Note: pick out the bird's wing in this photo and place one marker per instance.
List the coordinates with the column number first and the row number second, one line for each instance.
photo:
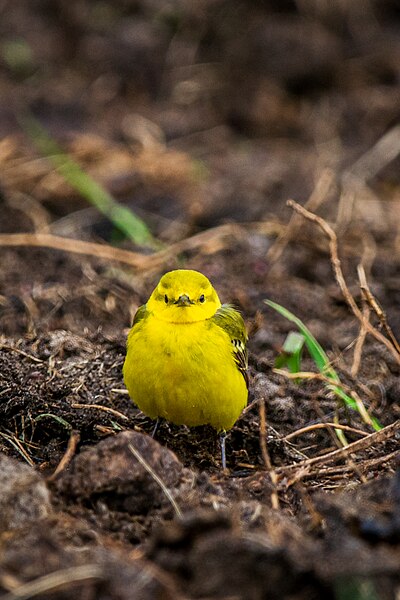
column 231, row 321
column 140, row 314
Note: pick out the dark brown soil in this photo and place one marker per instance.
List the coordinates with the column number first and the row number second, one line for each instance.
column 204, row 118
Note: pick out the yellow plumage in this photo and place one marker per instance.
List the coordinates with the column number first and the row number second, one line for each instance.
column 186, row 354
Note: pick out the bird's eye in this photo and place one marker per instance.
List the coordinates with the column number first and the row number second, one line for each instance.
column 202, row 298
column 166, row 299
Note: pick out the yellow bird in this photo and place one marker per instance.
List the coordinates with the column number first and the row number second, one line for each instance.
column 186, row 355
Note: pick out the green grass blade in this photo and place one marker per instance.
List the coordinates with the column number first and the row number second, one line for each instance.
column 123, row 218
column 321, row 360
column 315, row 349
column 56, row 418
column 341, row 437
column 290, row 356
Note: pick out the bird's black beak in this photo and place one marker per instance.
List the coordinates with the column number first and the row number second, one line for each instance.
column 184, row 300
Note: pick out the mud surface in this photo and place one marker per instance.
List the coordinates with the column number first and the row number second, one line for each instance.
column 204, row 118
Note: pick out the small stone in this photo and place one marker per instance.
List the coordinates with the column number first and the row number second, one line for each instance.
column 24, row 497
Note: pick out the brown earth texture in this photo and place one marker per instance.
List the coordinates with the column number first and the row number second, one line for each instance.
column 203, row 118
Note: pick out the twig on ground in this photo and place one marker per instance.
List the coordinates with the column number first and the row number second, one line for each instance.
column 374, row 305
column 320, row 377
column 324, row 426
column 307, row 375
column 369, row 251
column 358, row 348
column 376, row 158
column 104, row 430
column 56, row 580
column 21, row 352
column 265, row 455
column 333, row 245
column 69, row 454
column 114, row 412
column 378, row 437
column 32, row 208
column 363, row 465
column 317, row 197
column 46, row 240
column 210, row 240
column 16, row 443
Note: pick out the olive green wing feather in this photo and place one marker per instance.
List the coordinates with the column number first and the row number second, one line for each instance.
column 140, row 314
column 231, row 321
column 138, row 320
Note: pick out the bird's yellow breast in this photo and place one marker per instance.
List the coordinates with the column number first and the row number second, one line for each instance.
column 184, row 372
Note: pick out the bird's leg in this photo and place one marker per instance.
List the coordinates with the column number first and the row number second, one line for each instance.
column 222, row 439
column 153, row 433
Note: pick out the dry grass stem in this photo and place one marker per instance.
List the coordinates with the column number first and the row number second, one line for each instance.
column 103, row 429
column 373, row 439
column 327, row 380
column 157, row 479
column 32, row 208
column 210, row 241
column 333, row 245
column 46, row 240
column 330, row 382
column 318, row 196
column 21, row 352
column 69, row 454
column 358, row 348
column 306, row 375
column 376, row 158
column 250, row 407
column 374, row 305
column 340, row 471
column 56, row 580
column 324, row 426
column 369, row 251
column 265, row 455
column 107, row 409
column 16, row 443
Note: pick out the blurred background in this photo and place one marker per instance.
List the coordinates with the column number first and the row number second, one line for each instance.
column 198, row 113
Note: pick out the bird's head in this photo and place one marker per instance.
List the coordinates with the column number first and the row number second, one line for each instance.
column 183, row 296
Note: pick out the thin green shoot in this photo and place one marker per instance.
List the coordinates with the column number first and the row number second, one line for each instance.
column 323, row 364
column 290, row 355
column 122, row 217
column 116, row 426
column 340, row 434
column 56, row 418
